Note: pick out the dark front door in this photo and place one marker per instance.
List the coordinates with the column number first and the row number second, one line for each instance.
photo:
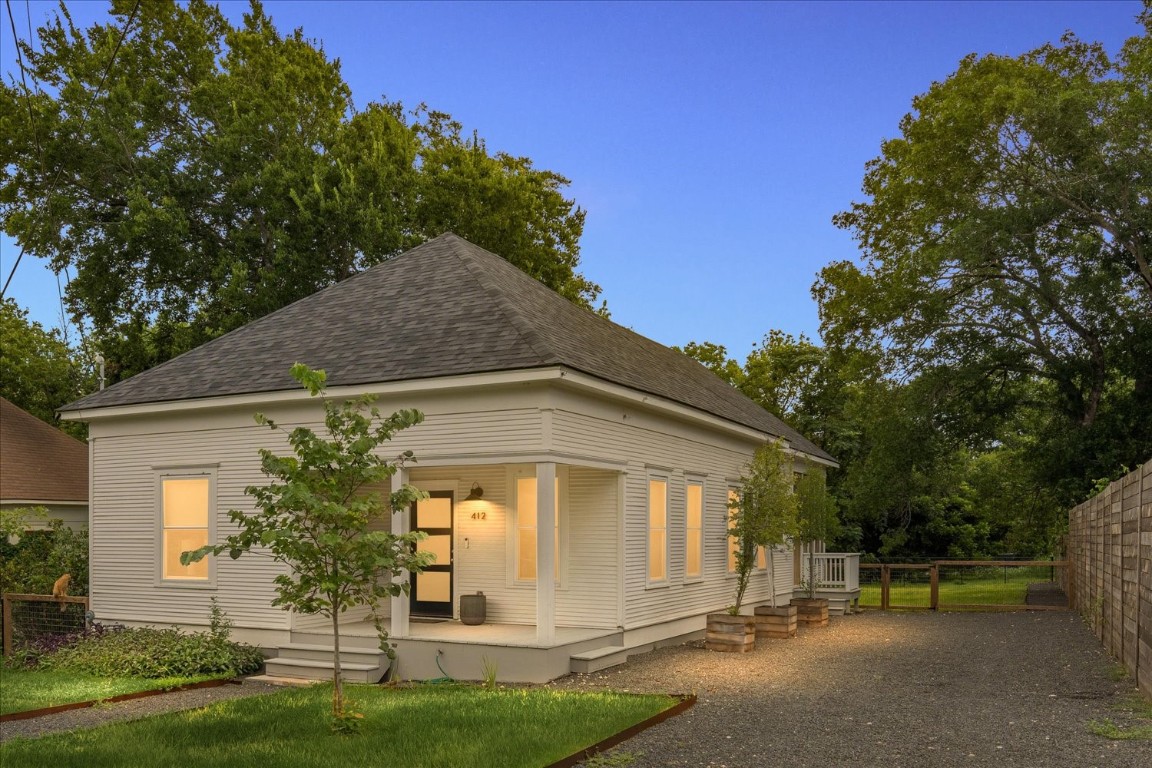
column 432, row 590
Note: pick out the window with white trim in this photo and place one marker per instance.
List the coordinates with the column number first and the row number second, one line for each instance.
column 694, row 531
column 657, row 529
column 187, row 509
column 525, row 547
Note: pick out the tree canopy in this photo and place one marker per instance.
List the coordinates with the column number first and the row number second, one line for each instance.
column 39, row 371
column 1005, row 243
column 222, row 171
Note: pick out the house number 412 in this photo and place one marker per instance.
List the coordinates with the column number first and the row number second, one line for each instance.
column 479, row 515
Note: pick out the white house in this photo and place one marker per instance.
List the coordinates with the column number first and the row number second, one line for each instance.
column 605, row 462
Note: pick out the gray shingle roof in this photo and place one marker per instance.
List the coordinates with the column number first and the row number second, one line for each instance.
column 445, row 308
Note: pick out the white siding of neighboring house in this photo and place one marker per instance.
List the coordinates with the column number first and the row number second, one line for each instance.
column 74, row 516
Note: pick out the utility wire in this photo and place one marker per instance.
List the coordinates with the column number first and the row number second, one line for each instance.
column 83, row 119
column 24, row 83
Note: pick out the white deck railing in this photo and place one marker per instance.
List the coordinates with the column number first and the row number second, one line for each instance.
column 834, row 570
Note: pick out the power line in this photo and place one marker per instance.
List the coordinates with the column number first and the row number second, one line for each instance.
column 83, row 119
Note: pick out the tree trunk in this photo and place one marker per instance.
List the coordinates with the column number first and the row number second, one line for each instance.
column 812, row 570
column 771, row 576
column 337, row 685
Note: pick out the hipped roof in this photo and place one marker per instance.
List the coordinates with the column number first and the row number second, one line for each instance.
column 445, row 308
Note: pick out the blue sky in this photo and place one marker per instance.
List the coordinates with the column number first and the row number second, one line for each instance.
column 710, row 143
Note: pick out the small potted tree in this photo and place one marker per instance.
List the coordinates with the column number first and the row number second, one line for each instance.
column 763, row 514
column 817, row 521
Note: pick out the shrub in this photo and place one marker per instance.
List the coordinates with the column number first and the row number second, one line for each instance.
column 151, row 652
column 38, row 557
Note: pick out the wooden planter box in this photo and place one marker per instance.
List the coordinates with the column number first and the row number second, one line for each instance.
column 730, row 634
column 811, row 611
column 775, row 623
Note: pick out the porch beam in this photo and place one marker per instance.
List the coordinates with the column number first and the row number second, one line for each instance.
column 545, row 553
column 400, row 525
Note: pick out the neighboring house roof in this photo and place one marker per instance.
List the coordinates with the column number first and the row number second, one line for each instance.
column 444, row 308
column 39, row 462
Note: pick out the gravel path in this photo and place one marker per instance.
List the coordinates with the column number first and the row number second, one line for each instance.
column 879, row 689
column 131, row 710
column 888, row 689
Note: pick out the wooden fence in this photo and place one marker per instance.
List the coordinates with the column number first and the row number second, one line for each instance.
column 29, row 626
column 1109, row 549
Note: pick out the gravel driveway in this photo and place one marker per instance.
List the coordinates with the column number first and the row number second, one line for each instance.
column 890, row 690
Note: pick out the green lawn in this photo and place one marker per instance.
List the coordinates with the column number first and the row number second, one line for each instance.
column 432, row 726
column 1006, row 587
column 25, row 689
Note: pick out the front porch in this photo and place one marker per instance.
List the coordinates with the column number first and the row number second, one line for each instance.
column 439, row 649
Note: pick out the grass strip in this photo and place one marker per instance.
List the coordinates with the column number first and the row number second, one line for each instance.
column 442, row 726
column 22, row 690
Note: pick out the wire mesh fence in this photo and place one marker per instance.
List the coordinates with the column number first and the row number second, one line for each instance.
column 968, row 584
column 35, row 619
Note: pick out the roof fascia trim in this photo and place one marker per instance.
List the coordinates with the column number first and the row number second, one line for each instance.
column 384, row 389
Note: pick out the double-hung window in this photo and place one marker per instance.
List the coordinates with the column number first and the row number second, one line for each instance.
column 730, row 511
column 187, row 509
column 525, row 547
column 694, row 531
column 657, row 530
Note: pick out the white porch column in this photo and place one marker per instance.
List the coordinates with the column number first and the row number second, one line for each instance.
column 400, row 525
column 545, row 553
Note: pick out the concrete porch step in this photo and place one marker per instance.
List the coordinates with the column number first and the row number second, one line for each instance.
column 317, row 652
column 596, row 659
column 311, row 669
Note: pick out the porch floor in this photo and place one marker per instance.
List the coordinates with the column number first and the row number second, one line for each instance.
column 492, row 634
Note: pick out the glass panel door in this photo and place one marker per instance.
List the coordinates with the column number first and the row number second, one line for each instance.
column 432, row 590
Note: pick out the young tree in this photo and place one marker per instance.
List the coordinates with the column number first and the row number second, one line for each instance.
column 316, row 517
column 817, row 518
column 763, row 514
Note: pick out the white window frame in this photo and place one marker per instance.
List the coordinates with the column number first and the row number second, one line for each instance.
column 196, row 472
column 661, row 478
column 513, row 532
column 688, row 482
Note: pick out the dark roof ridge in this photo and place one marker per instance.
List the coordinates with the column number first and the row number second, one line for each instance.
column 466, row 253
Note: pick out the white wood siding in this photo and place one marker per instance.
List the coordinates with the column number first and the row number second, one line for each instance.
column 126, row 453
column 678, row 451
column 589, row 596
column 586, row 598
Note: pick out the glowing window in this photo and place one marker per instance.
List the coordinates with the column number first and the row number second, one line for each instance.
column 526, row 529
column 185, row 510
column 694, row 532
column 733, row 541
column 657, row 529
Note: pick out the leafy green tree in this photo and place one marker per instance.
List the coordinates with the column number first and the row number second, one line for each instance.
column 39, row 372
column 500, row 202
column 816, row 518
column 316, row 518
column 222, row 172
column 763, row 514
column 1005, row 241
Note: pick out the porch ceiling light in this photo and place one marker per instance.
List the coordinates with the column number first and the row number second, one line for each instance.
column 476, row 494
